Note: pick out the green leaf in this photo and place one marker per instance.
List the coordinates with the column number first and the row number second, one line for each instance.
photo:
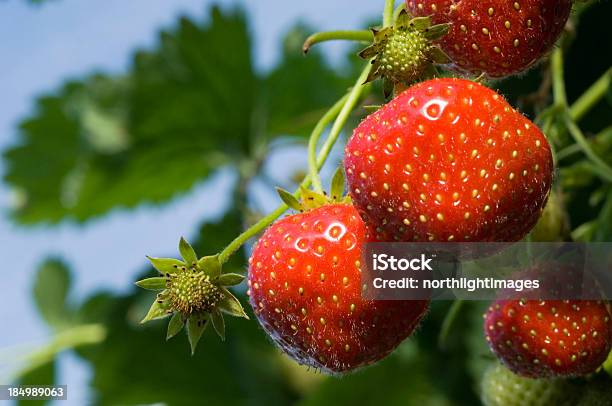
column 218, row 323
column 175, row 325
column 337, row 184
column 230, row 279
column 50, row 293
column 156, row 311
column 211, row 266
column 42, row 375
column 289, row 199
column 231, row 305
column 196, row 324
column 183, row 109
column 166, row 265
column 300, row 89
column 187, row 252
column 152, row 283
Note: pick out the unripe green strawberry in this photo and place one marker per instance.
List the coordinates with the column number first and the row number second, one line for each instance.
column 404, row 53
column 501, row 387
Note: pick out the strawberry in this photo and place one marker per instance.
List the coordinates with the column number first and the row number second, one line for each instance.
column 501, row 387
column 541, row 338
column 305, row 288
column 448, row 160
column 499, row 38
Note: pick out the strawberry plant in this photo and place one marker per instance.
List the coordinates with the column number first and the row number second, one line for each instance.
column 471, row 121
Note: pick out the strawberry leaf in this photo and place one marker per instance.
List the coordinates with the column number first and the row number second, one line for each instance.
column 51, row 292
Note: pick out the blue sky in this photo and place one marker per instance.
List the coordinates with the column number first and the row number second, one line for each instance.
column 40, row 47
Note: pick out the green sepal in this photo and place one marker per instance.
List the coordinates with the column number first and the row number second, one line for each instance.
column 157, row 283
column 337, row 185
column 175, row 325
column 370, row 52
column 231, row 305
column 210, row 266
column 373, row 75
column 312, row 200
column 187, row 252
column 289, row 199
column 156, row 311
column 372, row 108
column 218, row 323
column 437, row 31
column 420, row 23
column 438, row 56
column 388, row 87
column 196, row 324
column 166, row 265
column 230, row 279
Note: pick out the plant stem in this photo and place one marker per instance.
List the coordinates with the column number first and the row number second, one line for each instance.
column 71, row 338
column 355, row 35
column 591, row 96
column 351, row 100
column 568, row 151
column 601, row 168
column 448, row 322
column 560, row 96
column 313, row 169
column 388, row 13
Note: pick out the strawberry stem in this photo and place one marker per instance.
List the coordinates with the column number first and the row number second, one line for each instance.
column 559, row 94
column 599, row 166
column 350, row 100
column 313, row 168
column 350, row 35
column 448, row 323
column 591, row 96
column 388, row 13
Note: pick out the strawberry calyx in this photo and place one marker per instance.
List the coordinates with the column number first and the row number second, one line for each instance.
column 404, row 53
column 193, row 291
column 310, row 200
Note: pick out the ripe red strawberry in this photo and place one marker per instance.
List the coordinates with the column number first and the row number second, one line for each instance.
column 305, row 288
column 498, row 38
column 449, row 160
column 541, row 339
